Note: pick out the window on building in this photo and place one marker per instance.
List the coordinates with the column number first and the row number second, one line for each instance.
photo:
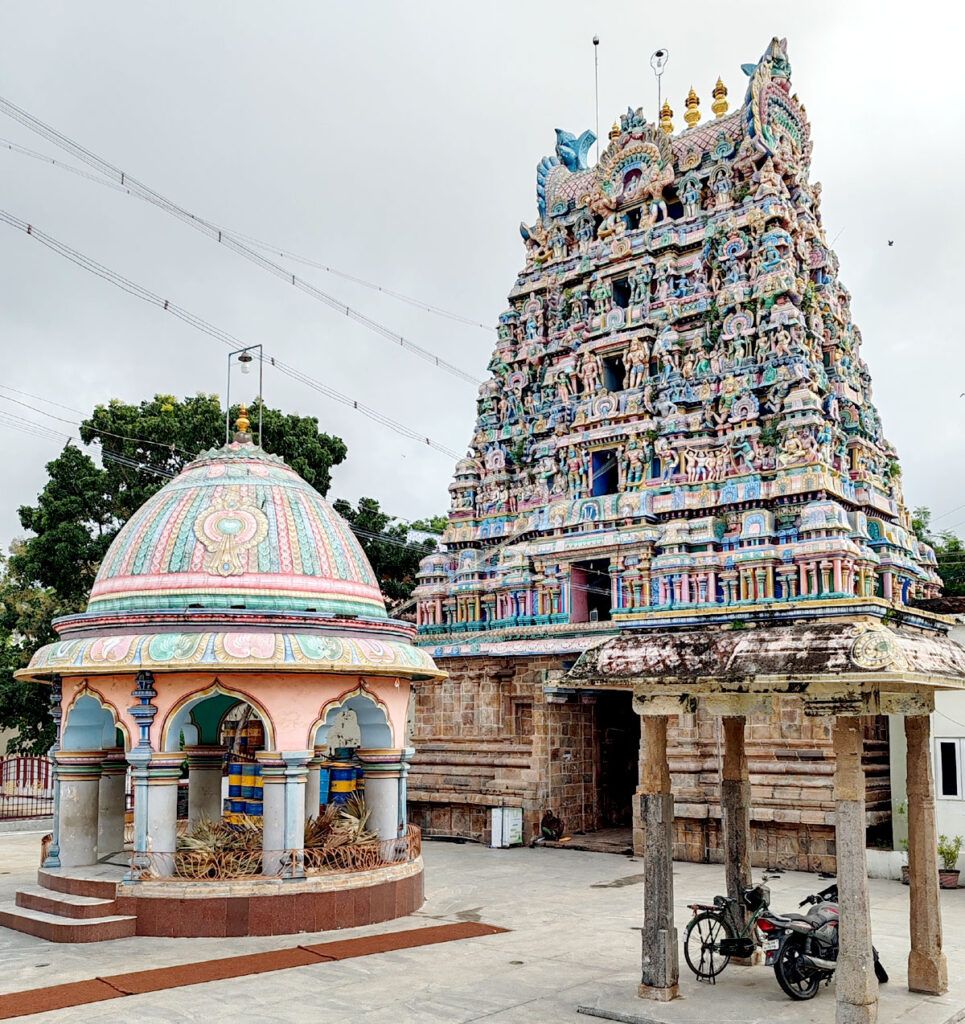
column 606, row 472
column 613, row 372
column 621, row 292
column 948, row 768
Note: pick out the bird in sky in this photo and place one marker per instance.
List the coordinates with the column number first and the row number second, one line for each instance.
column 891, row 241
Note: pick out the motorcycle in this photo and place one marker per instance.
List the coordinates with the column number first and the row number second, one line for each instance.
column 803, row 948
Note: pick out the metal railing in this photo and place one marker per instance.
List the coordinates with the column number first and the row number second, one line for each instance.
column 26, row 787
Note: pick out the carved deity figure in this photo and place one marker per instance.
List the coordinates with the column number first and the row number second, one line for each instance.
column 690, row 197
column 591, row 372
column 636, row 361
column 559, row 241
column 575, row 466
column 640, row 285
column 635, row 460
column 584, row 230
column 601, row 292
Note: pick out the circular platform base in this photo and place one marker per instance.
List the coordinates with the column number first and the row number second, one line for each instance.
column 257, row 906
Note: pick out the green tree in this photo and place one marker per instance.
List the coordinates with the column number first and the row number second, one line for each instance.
column 393, row 553
column 82, row 506
column 949, row 551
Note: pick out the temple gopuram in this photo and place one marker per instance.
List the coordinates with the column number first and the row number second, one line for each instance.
column 678, row 433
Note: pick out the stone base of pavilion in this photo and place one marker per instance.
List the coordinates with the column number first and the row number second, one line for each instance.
column 90, row 904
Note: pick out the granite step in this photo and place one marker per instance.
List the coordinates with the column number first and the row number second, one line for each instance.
column 100, row 888
column 54, row 928
column 62, row 904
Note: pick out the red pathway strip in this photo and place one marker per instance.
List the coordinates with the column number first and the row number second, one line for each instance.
column 116, row 986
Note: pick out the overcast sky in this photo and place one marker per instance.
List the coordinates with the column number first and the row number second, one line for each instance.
column 398, row 142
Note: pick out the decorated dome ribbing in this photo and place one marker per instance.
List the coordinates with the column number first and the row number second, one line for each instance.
column 237, row 528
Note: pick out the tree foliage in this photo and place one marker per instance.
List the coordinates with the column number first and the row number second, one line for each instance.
column 393, row 553
column 949, row 551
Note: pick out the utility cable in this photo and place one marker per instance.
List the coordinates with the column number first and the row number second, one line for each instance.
column 223, row 237
column 259, row 243
column 132, row 288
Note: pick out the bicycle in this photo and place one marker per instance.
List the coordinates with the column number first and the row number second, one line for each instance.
column 719, row 931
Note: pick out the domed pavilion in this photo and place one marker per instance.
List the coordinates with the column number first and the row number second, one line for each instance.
column 235, row 584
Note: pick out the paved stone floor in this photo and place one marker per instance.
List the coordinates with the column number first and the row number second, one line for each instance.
column 573, row 942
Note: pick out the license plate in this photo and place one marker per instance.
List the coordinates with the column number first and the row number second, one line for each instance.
column 770, row 944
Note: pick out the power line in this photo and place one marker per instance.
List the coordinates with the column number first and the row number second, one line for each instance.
column 223, row 237
column 259, row 243
column 193, row 320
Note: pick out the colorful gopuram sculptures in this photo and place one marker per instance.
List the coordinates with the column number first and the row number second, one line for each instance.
column 679, row 421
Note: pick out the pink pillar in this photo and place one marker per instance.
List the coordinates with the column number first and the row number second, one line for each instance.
column 838, row 584
column 685, row 588
column 804, row 579
column 712, row 587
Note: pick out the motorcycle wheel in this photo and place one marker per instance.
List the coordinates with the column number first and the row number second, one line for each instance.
column 796, row 978
column 701, row 936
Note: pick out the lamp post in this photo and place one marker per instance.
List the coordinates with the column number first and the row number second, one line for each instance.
column 244, row 357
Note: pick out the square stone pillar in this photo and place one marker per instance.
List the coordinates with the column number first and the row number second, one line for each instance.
column 110, row 803
column 735, row 808
column 855, row 982
column 383, row 773
column 52, row 860
column 927, row 967
column 313, row 784
column 660, row 969
column 78, row 775
column 205, row 773
column 284, row 775
column 163, row 774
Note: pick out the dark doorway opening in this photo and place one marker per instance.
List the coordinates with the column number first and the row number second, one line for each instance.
column 606, row 472
column 592, row 595
column 618, row 732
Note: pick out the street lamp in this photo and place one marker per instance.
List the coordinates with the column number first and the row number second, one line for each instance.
column 245, row 358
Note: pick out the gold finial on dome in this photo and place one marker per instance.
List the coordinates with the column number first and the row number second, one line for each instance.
column 666, row 118
column 242, row 423
column 720, row 104
column 615, row 131
column 692, row 103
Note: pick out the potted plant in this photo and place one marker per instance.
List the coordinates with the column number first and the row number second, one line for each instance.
column 948, row 851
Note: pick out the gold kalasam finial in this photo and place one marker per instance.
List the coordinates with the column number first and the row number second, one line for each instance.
column 692, row 103
column 615, row 131
column 666, row 118
column 242, row 423
column 720, row 104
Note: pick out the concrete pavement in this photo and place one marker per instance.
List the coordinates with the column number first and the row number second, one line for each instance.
column 573, row 942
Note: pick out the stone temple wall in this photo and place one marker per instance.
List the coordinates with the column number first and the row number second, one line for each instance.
column 487, row 737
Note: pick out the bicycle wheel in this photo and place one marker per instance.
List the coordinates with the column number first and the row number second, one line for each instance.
column 702, row 939
column 799, row 980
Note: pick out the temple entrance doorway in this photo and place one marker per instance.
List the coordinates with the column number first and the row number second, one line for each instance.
column 591, row 591
column 618, row 750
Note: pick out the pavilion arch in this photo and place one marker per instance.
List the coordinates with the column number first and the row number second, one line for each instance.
column 375, row 726
column 199, row 715
column 91, row 723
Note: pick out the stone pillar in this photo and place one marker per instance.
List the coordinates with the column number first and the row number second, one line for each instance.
column 110, row 803
column 78, row 774
column 660, row 970
column 383, row 772
column 163, row 772
column 313, row 783
column 927, row 968
column 284, row 775
column 52, row 860
column 205, row 772
column 735, row 808
column 855, row 982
